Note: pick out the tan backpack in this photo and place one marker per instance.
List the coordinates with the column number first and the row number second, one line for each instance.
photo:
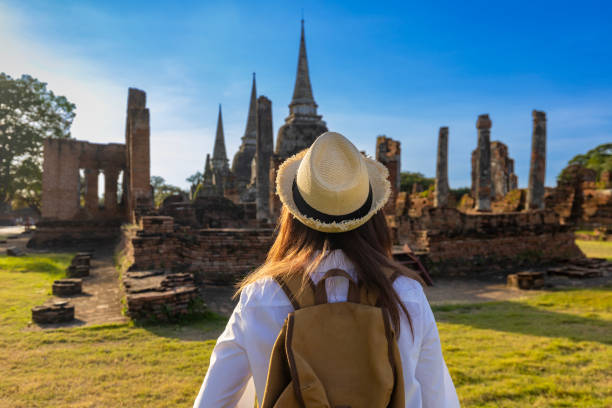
column 334, row 355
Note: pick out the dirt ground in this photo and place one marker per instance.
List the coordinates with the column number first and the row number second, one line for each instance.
column 101, row 300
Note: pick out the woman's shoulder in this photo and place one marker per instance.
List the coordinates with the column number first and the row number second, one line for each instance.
column 408, row 289
column 264, row 292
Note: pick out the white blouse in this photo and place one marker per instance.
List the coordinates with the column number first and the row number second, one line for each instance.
column 241, row 356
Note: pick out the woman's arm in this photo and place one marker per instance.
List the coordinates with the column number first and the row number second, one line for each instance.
column 229, row 370
column 437, row 387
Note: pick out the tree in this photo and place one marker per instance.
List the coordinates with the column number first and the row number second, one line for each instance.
column 598, row 159
column 407, row 179
column 195, row 180
column 29, row 113
column 162, row 190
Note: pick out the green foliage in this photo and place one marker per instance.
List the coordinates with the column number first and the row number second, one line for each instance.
column 29, row 113
column 195, row 179
column 598, row 159
column 428, row 192
column 162, row 190
column 458, row 193
column 407, row 179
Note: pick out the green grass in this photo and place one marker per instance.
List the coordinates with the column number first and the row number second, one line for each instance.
column 554, row 350
column 584, row 232
column 596, row 249
column 112, row 365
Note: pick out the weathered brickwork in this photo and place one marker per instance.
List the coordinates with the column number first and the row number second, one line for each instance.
column 449, row 236
column 388, row 152
column 72, row 210
column 164, row 305
column 220, row 255
column 224, row 255
column 537, row 169
column 263, row 153
column 442, row 188
column 578, row 200
column 483, row 190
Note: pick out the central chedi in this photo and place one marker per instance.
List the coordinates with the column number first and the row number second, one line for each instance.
column 303, row 125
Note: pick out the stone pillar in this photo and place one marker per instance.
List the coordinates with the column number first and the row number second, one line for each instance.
column 138, row 160
column 263, row 154
column 388, row 152
column 110, row 190
column 537, row 169
column 442, row 189
column 91, row 190
column 483, row 164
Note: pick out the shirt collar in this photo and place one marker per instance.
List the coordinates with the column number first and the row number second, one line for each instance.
column 335, row 259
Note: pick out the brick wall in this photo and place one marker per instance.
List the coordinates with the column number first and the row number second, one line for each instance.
column 216, row 254
column 449, row 236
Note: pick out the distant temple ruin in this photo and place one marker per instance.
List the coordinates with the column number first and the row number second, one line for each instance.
column 225, row 229
column 72, row 209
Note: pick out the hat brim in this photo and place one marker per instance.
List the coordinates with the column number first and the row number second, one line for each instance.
column 379, row 180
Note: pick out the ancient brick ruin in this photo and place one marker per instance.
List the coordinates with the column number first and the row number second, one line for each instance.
column 388, row 152
column 219, row 255
column 457, row 241
column 225, row 229
column 503, row 178
column 578, row 200
column 441, row 188
column 72, row 210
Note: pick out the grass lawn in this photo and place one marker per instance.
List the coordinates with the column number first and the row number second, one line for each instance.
column 554, row 350
column 596, row 249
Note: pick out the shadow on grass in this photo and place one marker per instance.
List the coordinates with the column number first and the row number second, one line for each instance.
column 521, row 318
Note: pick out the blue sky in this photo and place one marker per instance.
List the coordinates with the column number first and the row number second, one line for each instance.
column 398, row 69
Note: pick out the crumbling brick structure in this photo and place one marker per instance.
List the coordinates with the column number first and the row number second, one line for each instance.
column 466, row 241
column 578, row 200
column 72, row 211
column 213, row 254
column 388, row 152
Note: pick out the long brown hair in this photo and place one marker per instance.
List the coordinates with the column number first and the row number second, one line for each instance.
column 368, row 247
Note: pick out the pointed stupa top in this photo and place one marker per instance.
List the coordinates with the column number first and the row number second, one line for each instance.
column 303, row 102
column 219, row 159
column 251, row 129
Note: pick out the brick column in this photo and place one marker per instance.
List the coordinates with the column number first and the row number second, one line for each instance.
column 110, row 189
column 442, row 189
column 537, row 169
column 91, row 190
column 483, row 164
column 263, row 152
column 388, row 152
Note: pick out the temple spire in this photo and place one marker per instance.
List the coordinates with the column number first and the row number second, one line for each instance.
column 219, row 159
column 250, row 130
column 303, row 102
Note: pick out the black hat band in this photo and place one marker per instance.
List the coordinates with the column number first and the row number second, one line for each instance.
column 310, row 212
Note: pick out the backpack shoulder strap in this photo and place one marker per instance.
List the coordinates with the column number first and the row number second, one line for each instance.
column 370, row 296
column 307, row 294
column 299, row 294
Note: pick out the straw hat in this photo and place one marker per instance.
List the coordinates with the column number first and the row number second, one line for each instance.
column 331, row 186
